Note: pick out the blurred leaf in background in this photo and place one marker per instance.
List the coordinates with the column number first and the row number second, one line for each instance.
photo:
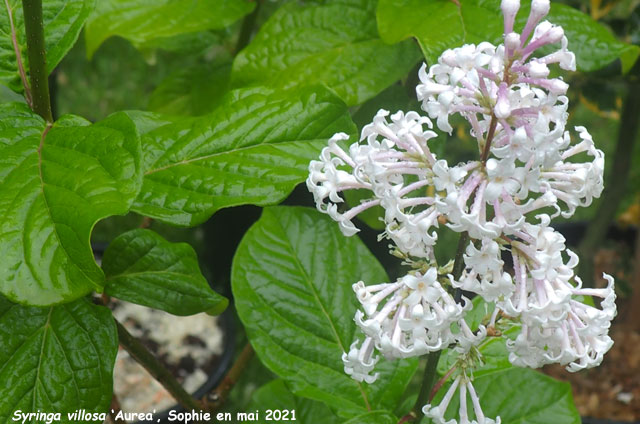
column 146, row 21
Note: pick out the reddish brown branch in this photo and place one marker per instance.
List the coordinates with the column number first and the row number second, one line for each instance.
column 440, row 382
column 214, row 400
column 115, row 410
column 409, row 417
column 487, row 145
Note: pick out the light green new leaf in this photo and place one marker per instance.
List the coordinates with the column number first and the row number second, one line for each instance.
column 143, row 268
column 63, row 20
column 56, row 184
column 253, row 149
column 142, row 21
column 291, row 279
column 56, row 359
column 436, row 24
column 441, row 24
column 335, row 43
column 275, row 395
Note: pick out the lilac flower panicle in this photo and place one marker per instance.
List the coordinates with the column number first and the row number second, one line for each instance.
column 531, row 168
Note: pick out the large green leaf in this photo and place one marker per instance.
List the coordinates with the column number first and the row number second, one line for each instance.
column 291, row 280
column 143, row 268
column 335, row 43
column 436, row 24
column 254, row 148
column 56, row 359
column 275, row 395
column 519, row 395
column 56, row 184
column 442, row 24
column 63, row 20
column 142, row 21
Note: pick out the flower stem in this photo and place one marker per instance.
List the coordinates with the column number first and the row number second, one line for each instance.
column 38, row 75
column 487, row 144
column 440, row 383
column 145, row 358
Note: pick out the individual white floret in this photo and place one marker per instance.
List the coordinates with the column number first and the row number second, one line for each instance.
column 360, row 362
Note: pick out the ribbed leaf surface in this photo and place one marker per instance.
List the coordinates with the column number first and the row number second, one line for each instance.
column 56, row 359
column 253, row 149
column 291, row 279
column 335, row 43
column 56, row 184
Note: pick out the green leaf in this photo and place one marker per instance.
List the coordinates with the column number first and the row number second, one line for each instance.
column 56, row 184
column 291, row 279
column 519, row 395
column 63, row 20
column 193, row 90
column 374, row 417
column 335, row 43
column 141, row 21
column 441, row 24
column 253, row 149
column 143, row 268
column 276, row 395
column 56, row 359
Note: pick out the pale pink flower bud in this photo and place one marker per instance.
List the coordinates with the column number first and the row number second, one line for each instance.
column 509, row 10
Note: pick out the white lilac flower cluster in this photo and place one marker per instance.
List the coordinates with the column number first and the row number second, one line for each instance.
column 529, row 171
